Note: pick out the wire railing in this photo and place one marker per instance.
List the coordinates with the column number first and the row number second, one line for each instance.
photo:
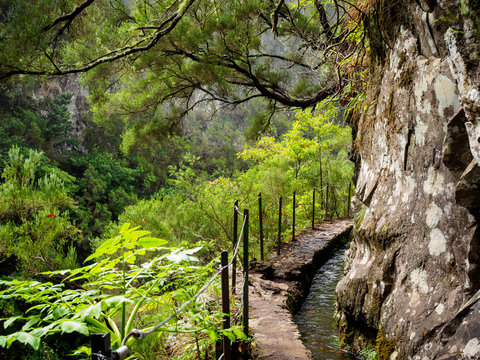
column 101, row 342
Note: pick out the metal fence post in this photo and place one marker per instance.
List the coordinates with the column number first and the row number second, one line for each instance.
column 326, row 204
column 235, row 239
column 334, row 197
column 245, row 269
column 293, row 217
column 227, row 353
column 279, row 239
column 100, row 346
column 313, row 210
column 349, row 198
column 260, row 218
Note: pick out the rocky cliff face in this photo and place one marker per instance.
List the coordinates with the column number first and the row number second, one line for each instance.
column 78, row 107
column 412, row 276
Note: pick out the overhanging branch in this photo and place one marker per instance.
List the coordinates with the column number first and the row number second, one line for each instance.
column 114, row 55
column 68, row 18
column 266, row 90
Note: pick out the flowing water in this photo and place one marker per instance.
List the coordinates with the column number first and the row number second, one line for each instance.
column 316, row 320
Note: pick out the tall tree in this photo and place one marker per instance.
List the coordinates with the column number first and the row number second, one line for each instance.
column 160, row 59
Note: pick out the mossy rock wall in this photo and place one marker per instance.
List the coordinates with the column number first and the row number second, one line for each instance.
column 414, row 261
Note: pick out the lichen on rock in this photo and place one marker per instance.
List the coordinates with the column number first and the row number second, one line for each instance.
column 414, row 261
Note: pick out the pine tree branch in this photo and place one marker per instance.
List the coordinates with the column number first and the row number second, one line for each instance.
column 68, row 18
column 114, row 55
column 275, row 16
column 268, row 91
column 327, row 30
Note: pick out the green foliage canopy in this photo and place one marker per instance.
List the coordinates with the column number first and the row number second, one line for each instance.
column 151, row 62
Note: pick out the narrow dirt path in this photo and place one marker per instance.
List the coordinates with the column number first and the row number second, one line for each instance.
column 279, row 286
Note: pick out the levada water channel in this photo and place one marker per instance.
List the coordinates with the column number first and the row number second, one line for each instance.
column 316, row 320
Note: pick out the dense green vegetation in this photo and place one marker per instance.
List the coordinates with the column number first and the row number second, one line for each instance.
column 100, row 177
column 100, row 294
column 116, row 219
column 193, row 211
column 311, row 155
column 35, row 228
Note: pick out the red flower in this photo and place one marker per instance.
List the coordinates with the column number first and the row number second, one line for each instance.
column 50, row 215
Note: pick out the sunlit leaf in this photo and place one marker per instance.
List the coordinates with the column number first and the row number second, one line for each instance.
column 34, row 320
column 229, row 335
column 124, row 228
column 59, row 312
column 150, row 242
column 115, row 301
column 131, row 259
column 212, row 334
column 10, row 321
column 127, row 230
column 178, row 256
column 109, row 276
column 74, row 326
column 102, row 249
column 27, row 339
column 83, row 350
column 239, row 333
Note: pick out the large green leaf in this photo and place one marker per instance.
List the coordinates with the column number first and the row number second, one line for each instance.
column 27, row 339
column 40, row 332
column 212, row 334
column 97, row 310
column 33, row 321
column 90, row 311
column 134, row 235
column 96, row 326
column 151, row 242
column 102, row 249
column 59, row 312
column 131, row 259
column 10, row 321
column 115, row 301
column 229, row 334
column 124, row 228
column 239, row 333
column 184, row 255
column 75, row 326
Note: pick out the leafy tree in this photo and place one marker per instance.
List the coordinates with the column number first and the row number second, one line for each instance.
column 313, row 154
column 58, row 125
column 34, row 224
column 106, row 187
column 151, row 62
column 43, row 124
